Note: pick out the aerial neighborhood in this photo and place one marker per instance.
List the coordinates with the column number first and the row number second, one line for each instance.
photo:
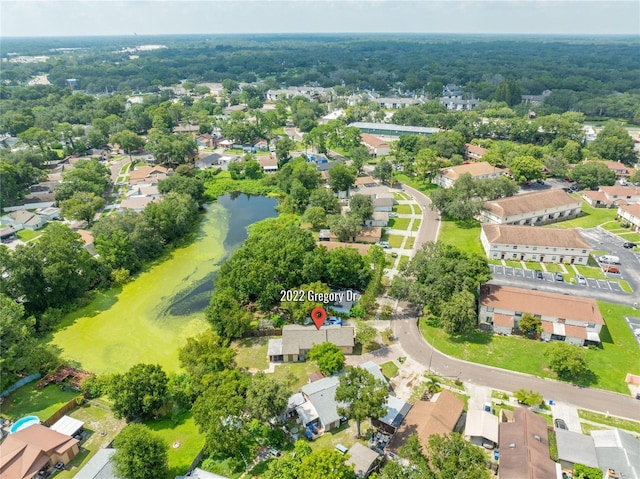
column 233, row 262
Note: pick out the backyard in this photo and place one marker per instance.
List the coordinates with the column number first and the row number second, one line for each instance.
column 463, row 234
column 28, row 400
column 617, row 356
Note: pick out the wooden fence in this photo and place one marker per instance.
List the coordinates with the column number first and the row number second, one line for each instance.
column 262, row 332
column 74, row 403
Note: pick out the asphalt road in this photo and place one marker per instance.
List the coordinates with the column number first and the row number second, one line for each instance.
column 411, row 341
column 430, row 225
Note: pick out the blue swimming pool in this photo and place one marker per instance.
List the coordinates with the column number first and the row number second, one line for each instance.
column 24, row 422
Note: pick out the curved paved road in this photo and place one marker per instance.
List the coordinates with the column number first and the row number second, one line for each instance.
column 415, row 346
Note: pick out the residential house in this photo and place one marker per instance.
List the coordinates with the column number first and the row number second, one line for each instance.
column 369, row 234
column 597, row 199
column 524, row 447
column 206, row 140
column 297, row 340
column 535, row 99
column 397, row 411
column 459, row 104
column 363, row 249
column 441, row 415
column 396, row 103
column 378, row 218
column 26, row 452
column 7, row 234
column 23, row 219
column 375, row 146
column 230, row 109
column 473, row 152
column 187, row 129
column 50, row 214
column 198, row 473
column 532, row 208
column 268, row 163
column 150, row 191
column 349, row 298
column 618, row 453
column 148, row 174
column 363, row 460
column 631, row 214
column 482, row 170
column 575, row 448
column 99, row 466
column 136, row 203
column 207, row 160
column 620, row 195
column 451, row 90
column 573, row 319
column 88, row 240
column 381, row 204
column 320, row 408
column 389, row 129
column 481, row 428
column 375, row 370
column 621, row 170
column 524, row 243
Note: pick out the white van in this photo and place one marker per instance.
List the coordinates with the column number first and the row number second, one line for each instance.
column 608, row 259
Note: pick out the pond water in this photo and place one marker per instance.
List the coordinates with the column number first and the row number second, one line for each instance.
column 149, row 319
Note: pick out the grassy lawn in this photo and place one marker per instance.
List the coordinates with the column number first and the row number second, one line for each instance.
column 389, row 369
column 416, row 225
column 410, row 241
column 296, row 374
column 623, row 284
column 463, row 234
column 399, row 223
column 553, row 268
column 345, row 435
column 27, row 235
column 395, row 240
column 403, row 260
column 617, row 356
column 497, row 262
column 417, row 184
column 592, row 217
column 183, row 433
column 587, row 428
column 403, row 209
column 401, row 196
column 513, row 264
column 626, row 424
column 28, row 400
column 220, row 466
column 252, row 353
column 101, row 426
column 589, row 272
column 533, row 266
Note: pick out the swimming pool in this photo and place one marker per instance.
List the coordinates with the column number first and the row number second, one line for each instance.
column 23, row 423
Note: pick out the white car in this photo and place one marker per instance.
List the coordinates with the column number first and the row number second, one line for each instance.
column 384, row 244
column 581, row 279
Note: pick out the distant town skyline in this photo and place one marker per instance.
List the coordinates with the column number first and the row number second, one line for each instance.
column 41, row 18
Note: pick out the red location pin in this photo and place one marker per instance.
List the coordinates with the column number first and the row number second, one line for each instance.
column 318, row 315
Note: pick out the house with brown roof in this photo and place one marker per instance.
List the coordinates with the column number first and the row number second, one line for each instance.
column 621, row 170
column 33, row 448
column 473, row 152
column 137, row 203
column 631, row 214
column 375, row 145
column 438, row 416
column 482, row 170
column 523, row 243
column 297, row 340
column 363, row 249
column 618, row 194
column 573, row 319
column 532, row 208
column 268, row 163
column 146, row 173
column 524, row 447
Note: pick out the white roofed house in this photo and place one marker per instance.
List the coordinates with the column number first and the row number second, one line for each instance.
column 532, row 208
column 631, row 214
column 524, row 243
column 572, row 319
column 481, row 170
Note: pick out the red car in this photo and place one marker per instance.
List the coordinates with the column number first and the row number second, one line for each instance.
column 568, row 180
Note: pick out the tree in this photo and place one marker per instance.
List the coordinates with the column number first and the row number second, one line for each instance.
column 427, row 164
column 365, row 333
column 301, row 309
column 172, row 217
column 451, row 457
column 316, row 216
column 346, row 268
column 383, row 171
column 580, row 471
column 183, row 184
column 140, row 392
column 530, row 324
column 341, row 178
column 325, row 199
column 525, row 168
column 266, row 398
column 528, row 397
column 592, row 174
column 458, row 315
column 204, row 355
column 140, row 454
column 509, row 92
column 284, row 146
column 88, row 176
column 566, row 360
column 227, row 317
column 345, row 227
column 328, row 357
column 128, row 141
column 359, row 156
column 82, row 206
column 361, row 206
column 614, row 143
column 323, row 464
column 363, row 394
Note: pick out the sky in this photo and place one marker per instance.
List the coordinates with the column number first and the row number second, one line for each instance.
column 26, row 18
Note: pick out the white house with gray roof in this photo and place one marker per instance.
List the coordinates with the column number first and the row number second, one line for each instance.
column 23, row 219
column 532, row 208
column 575, row 448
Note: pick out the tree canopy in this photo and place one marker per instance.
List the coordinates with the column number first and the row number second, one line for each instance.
column 140, row 454
column 328, row 357
column 138, row 393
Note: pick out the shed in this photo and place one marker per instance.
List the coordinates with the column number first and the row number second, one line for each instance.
column 363, row 459
column 68, row 426
column 397, row 410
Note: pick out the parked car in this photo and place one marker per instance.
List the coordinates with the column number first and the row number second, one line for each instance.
column 560, row 424
column 384, row 244
column 539, row 274
column 610, row 269
column 559, row 276
column 393, row 215
column 581, row 279
column 629, row 245
column 540, row 182
column 609, row 259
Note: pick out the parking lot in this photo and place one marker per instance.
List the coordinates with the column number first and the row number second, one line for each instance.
column 634, row 325
column 530, row 274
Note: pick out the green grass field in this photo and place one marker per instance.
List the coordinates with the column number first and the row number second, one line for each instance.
column 610, row 363
column 401, row 196
column 403, row 209
column 415, row 226
column 627, row 424
column 252, row 353
column 183, row 439
column 399, row 223
column 395, row 240
column 513, row 264
column 403, row 260
column 553, row 268
column 590, row 272
column 410, row 242
column 592, row 218
column 463, row 234
column 28, row 401
column 389, row 369
column 28, row 235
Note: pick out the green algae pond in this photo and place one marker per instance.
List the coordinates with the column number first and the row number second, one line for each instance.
column 148, row 319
